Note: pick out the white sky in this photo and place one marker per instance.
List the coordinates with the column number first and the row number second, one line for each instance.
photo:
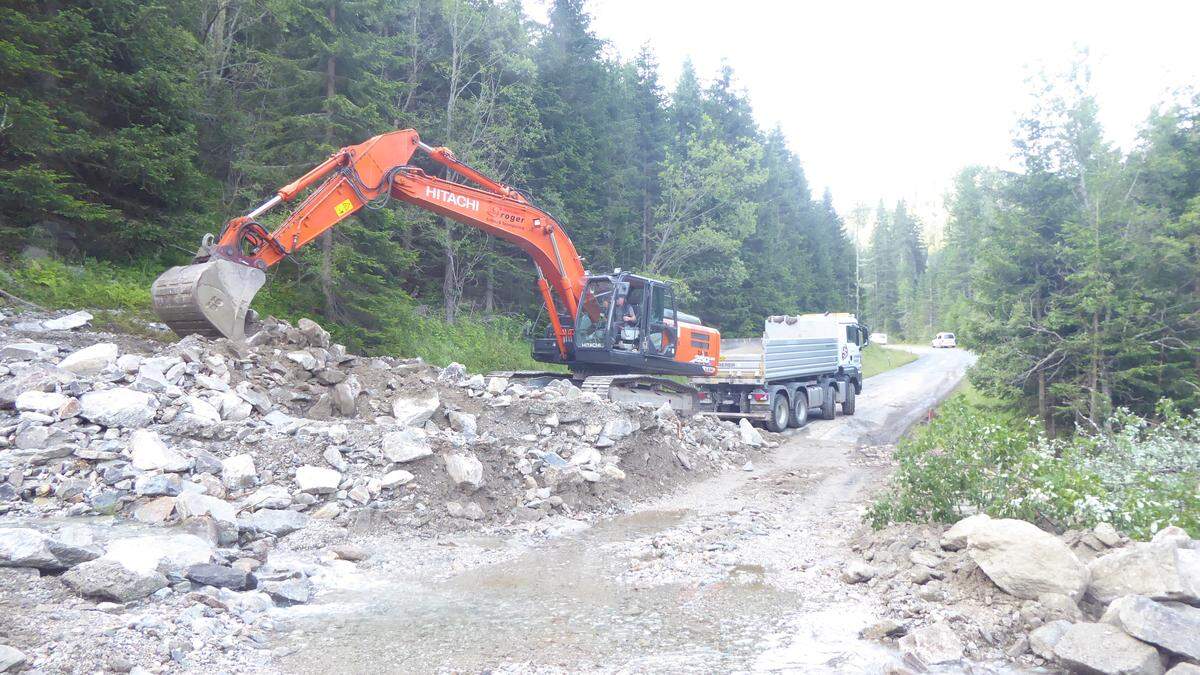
column 887, row 99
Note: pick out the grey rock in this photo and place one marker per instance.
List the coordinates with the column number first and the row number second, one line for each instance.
column 1044, row 637
column 335, row 459
column 618, row 428
column 1059, row 606
column 158, row 485
column 933, row 644
column 221, row 576
column 238, row 472
column 68, row 322
column 204, row 461
column 11, row 659
column 345, row 396
column 464, row 423
column 1107, row 534
column 465, row 470
column 405, row 445
column 883, row 629
column 317, row 479
column 415, row 411
column 289, row 592
column 110, row 580
column 304, row 359
column 857, row 572
column 955, row 539
column 269, row 497
column 23, row 547
column 317, row 336
column 119, row 407
column 275, row 522
column 394, row 479
column 748, row 434
column 107, row 502
column 44, row 402
column 27, row 351
column 1159, row 571
column 1102, row 648
column 1174, row 628
column 1184, row 668
column 1024, row 560
column 169, row 554
column 90, row 360
column 148, row 452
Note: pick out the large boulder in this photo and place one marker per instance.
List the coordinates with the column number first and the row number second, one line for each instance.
column 1158, row 570
column 748, row 434
column 119, row 407
column 107, row 579
column 1101, row 648
column 933, row 644
column 405, row 445
column 1174, row 627
column 44, row 402
column 955, row 538
column 416, row 410
column 90, row 360
column 1043, row 638
column 1024, row 560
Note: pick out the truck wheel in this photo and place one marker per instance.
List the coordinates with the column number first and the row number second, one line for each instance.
column 778, row 421
column 827, row 404
column 799, row 415
column 848, row 404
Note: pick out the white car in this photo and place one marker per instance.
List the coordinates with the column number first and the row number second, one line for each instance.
column 944, row 341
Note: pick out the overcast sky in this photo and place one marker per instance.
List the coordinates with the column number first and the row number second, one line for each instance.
column 887, row 99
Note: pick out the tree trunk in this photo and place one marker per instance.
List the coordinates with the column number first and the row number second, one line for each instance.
column 327, row 290
column 489, row 290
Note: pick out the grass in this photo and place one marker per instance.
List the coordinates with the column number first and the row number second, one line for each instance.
column 877, row 359
column 119, row 297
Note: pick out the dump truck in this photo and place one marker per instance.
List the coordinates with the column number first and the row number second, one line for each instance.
column 802, row 363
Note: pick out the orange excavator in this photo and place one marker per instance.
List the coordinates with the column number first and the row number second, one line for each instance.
column 614, row 332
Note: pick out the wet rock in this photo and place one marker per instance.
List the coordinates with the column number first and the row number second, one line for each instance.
column 195, row 505
column 275, row 522
column 883, row 629
column 120, row 407
column 933, row 644
column 405, row 446
column 148, row 452
column 415, row 411
column 1024, row 560
column 68, row 322
column 11, row 659
column 748, row 434
column 1044, row 637
column 1101, row 648
column 1159, row 571
column 90, row 360
column 289, row 592
column 465, row 470
column 221, row 576
column 955, row 539
column 158, row 485
column 394, row 479
column 317, row 480
column 23, row 547
column 1174, row 627
column 110, row 580
column 269, row 496
column 170, row 554
column 238, row 472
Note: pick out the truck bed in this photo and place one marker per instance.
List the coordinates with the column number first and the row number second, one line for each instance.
column 764, row 360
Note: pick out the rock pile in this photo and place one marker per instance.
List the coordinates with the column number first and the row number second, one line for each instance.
column 1086, row 601
column 220, row 451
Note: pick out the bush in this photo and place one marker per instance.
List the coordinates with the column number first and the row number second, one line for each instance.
column 1139, row 476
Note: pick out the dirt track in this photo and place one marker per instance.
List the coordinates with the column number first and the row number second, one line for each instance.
column 738, row 572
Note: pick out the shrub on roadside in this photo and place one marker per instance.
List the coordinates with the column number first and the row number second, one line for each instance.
column 1139, row 476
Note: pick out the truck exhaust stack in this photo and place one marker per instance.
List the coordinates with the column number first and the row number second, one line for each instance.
column 210, row 298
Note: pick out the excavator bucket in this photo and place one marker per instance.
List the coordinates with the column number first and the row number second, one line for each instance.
column 210, row 298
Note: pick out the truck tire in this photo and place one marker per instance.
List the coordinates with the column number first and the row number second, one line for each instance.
column 777, row 421
column 827, row 404
column 848, row 404
column 799, row 416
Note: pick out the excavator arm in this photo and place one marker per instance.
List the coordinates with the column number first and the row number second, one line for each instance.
column 212, row 296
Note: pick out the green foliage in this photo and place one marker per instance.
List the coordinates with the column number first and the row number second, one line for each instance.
column 977, row 457
column 93, row 284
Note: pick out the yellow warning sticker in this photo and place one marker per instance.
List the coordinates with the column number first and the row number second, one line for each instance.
column 343, row 208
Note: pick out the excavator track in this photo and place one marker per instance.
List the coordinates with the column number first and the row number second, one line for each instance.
column 644, row 389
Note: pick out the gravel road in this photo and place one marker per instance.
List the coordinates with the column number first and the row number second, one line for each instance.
column 738, row 572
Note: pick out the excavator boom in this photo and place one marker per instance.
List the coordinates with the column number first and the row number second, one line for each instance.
column 212, row 295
